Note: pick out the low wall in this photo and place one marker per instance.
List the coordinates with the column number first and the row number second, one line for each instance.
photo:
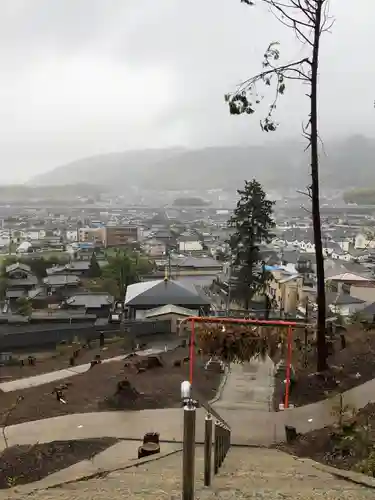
column 45, row 337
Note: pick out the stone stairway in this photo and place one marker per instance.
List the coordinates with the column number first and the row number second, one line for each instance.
column 247, row 473
column 266, row 474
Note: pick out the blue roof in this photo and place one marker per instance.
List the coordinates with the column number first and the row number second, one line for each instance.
column 272, row 268
column 89, row 244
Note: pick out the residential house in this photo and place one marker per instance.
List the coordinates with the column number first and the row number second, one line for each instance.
column 343, row 303
column 142, row 297
column 74, row 268
column 362, row 241
column 189, row 242
column 346, row 244
column 20, row 280
column 368, row 313
column 154, row 247
column 306, row 246
column 61, row 282
column 364, row 291
column 71, row 235
column 285, row 289
column 189, row 266
column 341, row 255
column 344, row 281
column 166, row 236
column 99, row 304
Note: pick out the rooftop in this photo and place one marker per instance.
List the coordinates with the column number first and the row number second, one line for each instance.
column 61, row 280
column 341, row 299
column 90, row 300
column 18, row 266
column 163, row 292
column 169, row 309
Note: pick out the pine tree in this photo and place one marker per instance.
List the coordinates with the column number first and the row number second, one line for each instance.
column 94, row 269
column 252, row 220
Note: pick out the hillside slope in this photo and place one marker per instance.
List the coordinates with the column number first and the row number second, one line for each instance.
column 345, row 163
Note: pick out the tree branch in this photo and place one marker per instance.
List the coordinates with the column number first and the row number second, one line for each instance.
column 6, row 419
column 306, row 193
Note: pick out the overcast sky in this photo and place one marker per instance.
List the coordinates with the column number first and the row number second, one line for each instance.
column 81, row 77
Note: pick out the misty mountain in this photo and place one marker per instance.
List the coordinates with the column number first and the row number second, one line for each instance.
column 129, row 167
column 344, row 163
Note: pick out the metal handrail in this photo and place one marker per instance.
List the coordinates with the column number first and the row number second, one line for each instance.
column 217, row 436
column 206, row 405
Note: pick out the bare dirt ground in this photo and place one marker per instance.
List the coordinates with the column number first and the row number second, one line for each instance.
column 60, row 358
column 26, row 464
column 99, row 389
column 348, row 368
column 348, row 445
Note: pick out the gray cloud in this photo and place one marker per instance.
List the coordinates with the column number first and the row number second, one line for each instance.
column 81, row 77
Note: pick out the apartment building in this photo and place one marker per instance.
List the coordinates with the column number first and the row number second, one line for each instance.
column 117, row 236
column 91, row 235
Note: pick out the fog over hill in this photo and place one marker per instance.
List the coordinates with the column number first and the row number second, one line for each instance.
column 345, row 163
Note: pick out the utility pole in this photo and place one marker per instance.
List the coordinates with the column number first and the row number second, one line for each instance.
column 169, row 264
column 229, row 286
column 306, row 333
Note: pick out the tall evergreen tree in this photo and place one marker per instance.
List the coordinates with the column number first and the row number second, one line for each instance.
column 253, row 221
column 94, row 269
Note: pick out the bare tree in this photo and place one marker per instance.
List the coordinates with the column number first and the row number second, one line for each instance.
column 309, row 19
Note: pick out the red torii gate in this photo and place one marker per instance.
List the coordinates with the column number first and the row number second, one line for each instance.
column 214, row 319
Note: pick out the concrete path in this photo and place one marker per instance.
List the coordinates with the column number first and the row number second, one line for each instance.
column 124, row 425
column 249, row 387
column 45, row 378
column 121, row 455
column 246, row 474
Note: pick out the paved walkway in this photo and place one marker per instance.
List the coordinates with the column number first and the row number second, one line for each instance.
column 249, row 387
column 119, row 456
column 246, row 474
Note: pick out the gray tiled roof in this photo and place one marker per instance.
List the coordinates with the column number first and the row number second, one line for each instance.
column 14, row 294
column 341, row 299
column 163, row 292
column 30, row 281
column 197, row 262
column 90, row 300
column 16, row 266
column 61, row 280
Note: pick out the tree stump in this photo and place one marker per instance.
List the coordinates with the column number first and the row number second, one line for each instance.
column 290, row 434
column 31, row 360
column 151, row 437
column 343, row 341
column 148, row 449
column 94, row 362
column 149, row 363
